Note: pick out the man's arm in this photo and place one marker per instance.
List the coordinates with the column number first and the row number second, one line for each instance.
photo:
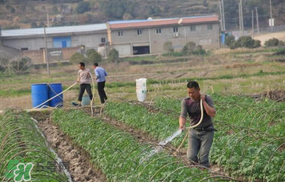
column 183, row 115
column 211, row 111
column 182, row 122
column 96, row 74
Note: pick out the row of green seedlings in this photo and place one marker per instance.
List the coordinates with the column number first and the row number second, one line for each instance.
column 252, row 154
column 24, row 154
column 120, row 156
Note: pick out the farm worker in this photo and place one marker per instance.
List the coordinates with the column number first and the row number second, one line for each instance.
column 200, row 137
column 100, row 74
column 84, row 78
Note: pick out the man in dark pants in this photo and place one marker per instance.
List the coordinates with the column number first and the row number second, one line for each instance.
column 200, row 137
column 101, row 79
column 84, row 78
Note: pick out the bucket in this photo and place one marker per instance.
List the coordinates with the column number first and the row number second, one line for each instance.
column 54, row 89
column 39, row 95
column 85, row 100
column 141, row 89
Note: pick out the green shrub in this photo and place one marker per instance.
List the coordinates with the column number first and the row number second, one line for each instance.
column 113, row 55
column 83, row 7
column 77, row 58
column 271, row 42
column 168, row 47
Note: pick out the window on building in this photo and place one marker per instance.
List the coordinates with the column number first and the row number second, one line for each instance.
column 103, row 40
column 175, row 29
column 120, row 33
column 158, row 30
column 139, row 31
column 193, row 28
column 210, row 27
column 24, row 49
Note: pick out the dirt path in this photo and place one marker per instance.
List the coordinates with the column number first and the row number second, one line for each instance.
column 79, row 166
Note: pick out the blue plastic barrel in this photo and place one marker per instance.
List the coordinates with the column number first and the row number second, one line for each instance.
column 53, row 90
column 39, row 95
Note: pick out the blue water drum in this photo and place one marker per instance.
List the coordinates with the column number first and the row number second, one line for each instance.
column 39, row 95
column 53, row 90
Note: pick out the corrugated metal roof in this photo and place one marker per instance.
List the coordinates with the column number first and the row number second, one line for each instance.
column 163, row 22
column 53, row 30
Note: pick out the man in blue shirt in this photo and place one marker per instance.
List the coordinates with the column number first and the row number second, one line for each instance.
column 101, row 79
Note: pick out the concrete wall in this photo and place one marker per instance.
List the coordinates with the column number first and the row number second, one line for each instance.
column 90, row 41
column 30, row 43
column 36, row 43
column 209, row 39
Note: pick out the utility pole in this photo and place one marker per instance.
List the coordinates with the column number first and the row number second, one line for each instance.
column 47, row 20
column 257, row 22
column 252, row 24
column 241, row 11
column 223, row 15
column 241, row 27
column 271, row 17
column 46, row 52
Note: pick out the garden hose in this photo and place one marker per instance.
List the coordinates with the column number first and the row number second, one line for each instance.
column 194, row 126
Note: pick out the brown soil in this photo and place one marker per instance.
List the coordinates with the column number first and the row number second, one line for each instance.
column 79, row 166
column 277, row 95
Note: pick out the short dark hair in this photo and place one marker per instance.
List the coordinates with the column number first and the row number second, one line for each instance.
column 82, row 64
column 193, row 84
column 96, row 64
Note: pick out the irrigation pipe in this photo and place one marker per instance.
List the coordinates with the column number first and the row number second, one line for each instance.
column 194, row 126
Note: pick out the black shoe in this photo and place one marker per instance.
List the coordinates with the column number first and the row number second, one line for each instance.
column 76, row 104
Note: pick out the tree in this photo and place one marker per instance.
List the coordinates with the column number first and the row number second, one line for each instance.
column 168, row 47
column 77, row 58
column 34, row 25
column 246, row 41
column 113, row 55
column 272, row 42
column 257, row 44
column 83, row 7
column 189, row 48
column 41, row 25
column 229, row 40
column 12, row 10
column 93, row 56
column 54, row 10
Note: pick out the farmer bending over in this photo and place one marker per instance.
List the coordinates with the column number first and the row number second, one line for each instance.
column 200, row 137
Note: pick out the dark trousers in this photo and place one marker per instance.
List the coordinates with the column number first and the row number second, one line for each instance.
column 199, row 146
column 82, row 89
column 101, row 91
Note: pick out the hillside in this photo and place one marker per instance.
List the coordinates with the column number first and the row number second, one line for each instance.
column 33, row 13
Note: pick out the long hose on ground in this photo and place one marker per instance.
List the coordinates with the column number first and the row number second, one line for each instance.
column 193, row 126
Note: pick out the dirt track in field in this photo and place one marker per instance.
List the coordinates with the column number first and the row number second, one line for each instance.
column 80, row 168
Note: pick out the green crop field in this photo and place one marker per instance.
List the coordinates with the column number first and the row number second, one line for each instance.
column 120, row 141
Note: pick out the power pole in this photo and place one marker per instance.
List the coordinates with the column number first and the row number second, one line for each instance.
column 46, row 52
column 252, row 24
column 257, row 22
column 47, row 20
column 223, row 15
column 241, row 27
column 271, row 17
column 241, row 11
